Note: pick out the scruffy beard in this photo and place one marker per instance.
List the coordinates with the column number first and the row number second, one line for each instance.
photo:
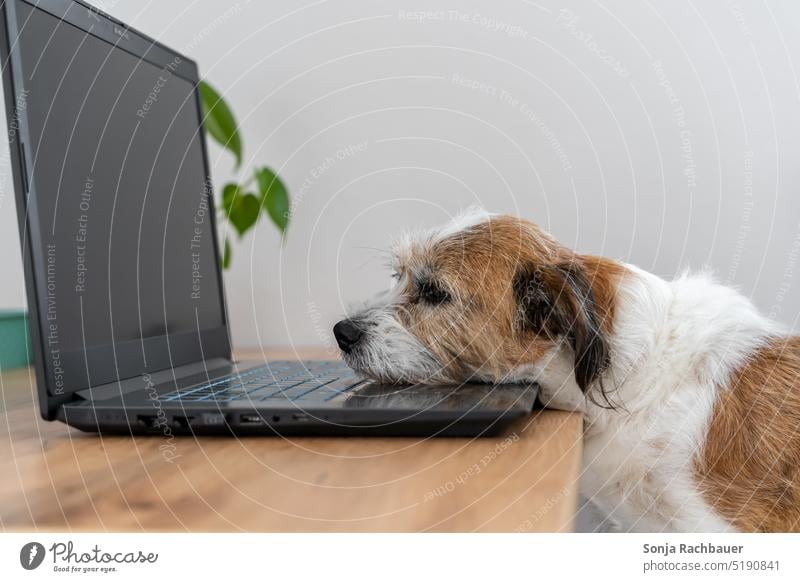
column 388, row 352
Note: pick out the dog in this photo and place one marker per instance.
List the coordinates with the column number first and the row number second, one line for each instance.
column 690, row 396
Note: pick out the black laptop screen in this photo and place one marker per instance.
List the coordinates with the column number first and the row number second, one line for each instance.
column 121, row 204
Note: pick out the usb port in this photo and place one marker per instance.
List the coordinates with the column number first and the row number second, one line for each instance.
column 251, row 419
column 146, row 420
column 182, row 422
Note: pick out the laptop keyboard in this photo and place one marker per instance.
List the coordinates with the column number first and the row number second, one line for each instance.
column 276, row 380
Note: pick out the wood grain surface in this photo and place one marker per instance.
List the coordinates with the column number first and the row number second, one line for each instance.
column 53, row 477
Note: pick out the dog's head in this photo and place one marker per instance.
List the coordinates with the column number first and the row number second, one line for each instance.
column 481, row 299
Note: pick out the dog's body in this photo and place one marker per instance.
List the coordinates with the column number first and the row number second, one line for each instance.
column 678, row 348
column 690, row 396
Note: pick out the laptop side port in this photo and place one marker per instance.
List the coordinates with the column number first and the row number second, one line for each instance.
column 182, row 422
column 251, row 419
column 146, row 420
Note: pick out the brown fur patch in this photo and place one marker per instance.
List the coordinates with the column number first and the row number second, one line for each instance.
column 605, row 276
column 478, row 329
column 749, row 468
column 475, row 330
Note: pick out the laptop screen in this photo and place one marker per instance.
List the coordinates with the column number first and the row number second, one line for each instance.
column 126, row 255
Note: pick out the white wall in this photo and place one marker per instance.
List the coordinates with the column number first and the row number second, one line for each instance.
column 665, row 134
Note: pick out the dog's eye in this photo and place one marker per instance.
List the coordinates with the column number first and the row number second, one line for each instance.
column 431, row 293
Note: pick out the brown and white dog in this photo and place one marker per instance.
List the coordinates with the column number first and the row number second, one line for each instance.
column 691, row 397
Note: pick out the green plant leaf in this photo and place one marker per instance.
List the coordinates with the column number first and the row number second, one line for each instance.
column 230, row 196
column 274, row 197
column 241, row 208
column 219, row 121
column 244, row 213
column 226, row 254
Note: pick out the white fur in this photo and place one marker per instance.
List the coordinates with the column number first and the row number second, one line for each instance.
column 389, row 351
column 471, row 216
column 555, row 374
column 673, row 344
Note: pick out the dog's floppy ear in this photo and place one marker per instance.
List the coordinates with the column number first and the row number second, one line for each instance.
column 557, row 300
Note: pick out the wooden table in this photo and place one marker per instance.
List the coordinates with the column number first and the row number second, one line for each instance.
column 53, row 477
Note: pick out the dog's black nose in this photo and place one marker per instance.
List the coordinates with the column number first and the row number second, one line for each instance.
column 347, row 334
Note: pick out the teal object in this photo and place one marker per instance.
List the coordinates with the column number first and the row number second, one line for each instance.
column 15, row 345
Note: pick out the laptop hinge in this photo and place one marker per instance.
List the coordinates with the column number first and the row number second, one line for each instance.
column 212, row 367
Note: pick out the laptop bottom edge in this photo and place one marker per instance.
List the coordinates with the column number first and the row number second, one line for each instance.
column 176, row 422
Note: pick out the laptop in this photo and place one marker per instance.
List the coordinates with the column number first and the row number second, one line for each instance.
column 122, row 263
